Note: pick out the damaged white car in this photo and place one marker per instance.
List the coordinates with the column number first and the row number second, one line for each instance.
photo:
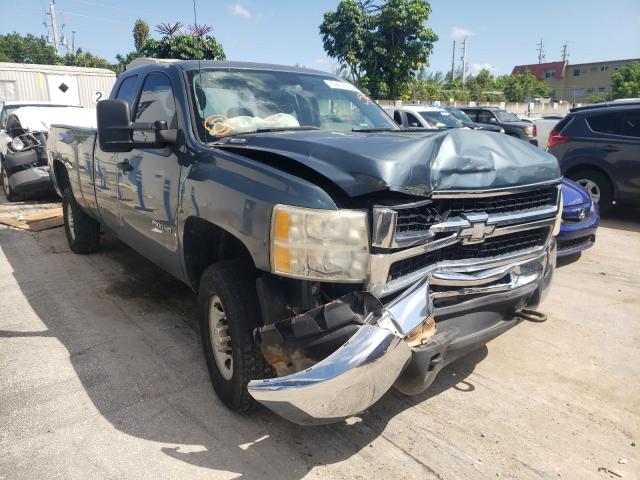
column 23, row 156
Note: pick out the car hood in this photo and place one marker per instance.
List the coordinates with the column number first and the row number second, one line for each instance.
column 517, row 124
column 573, row 194
column 417, row 163
column 483, row 126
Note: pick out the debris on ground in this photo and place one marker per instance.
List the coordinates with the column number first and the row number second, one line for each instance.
column 36, row 222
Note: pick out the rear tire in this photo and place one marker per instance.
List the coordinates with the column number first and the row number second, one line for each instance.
column 83, row 232
column 6, row 187
column 229, row 314
column 597, row 184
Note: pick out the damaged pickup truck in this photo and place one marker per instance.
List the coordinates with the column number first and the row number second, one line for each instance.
column 335, row 254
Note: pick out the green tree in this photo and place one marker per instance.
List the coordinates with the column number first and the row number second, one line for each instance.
column 28, row 49
column 140, row 34
column 382, row 45
column 518, row 87
column 82, row 59
column 344, row 35
column 625, row 83
column 184, row 47
column 193, row 44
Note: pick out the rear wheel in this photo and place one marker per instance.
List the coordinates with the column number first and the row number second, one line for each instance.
column 83, row 232
column 598, row 186
column 229, row 314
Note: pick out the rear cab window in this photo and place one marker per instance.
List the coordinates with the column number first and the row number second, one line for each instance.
column 127, row 90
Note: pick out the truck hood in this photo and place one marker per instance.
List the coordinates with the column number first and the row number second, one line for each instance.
column 417, row 163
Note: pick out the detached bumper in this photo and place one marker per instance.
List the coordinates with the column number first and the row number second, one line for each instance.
column 33, row 181
column 378, row 356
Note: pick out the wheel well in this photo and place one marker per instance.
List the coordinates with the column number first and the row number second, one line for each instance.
column 593, row 168
column 61, row 175
column 205, row 244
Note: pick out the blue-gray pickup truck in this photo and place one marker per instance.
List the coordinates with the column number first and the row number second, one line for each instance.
column 334, row 254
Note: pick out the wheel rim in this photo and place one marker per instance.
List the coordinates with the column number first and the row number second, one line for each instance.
column 71, row 222
column 220, row 338
column 5, row 182
column 591, row 187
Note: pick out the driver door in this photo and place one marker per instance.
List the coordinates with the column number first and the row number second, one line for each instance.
column 149, row 180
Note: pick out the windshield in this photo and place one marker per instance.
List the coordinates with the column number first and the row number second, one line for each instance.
column 460, row 115
column 506, row 116
column 228, row 102
column 440, row 119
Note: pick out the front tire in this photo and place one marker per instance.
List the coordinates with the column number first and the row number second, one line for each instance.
column 598, row 186
column 229, row 314
column 83, row 232
column 6, row 187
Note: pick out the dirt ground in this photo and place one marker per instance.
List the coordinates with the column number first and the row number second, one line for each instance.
column 102, row 376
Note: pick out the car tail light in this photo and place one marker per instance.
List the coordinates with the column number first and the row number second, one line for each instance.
column 555, row 138
column 535, row 131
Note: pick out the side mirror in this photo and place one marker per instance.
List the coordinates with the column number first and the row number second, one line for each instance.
column 114, row 132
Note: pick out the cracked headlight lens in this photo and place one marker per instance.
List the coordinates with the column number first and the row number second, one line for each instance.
column 330, row 245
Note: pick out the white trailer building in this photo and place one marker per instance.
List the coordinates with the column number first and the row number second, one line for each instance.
column 56, row 83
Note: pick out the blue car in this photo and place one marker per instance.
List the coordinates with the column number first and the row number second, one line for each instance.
column 580, row 218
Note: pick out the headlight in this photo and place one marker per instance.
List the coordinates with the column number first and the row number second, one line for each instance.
column 16, row 144
column 331, row 245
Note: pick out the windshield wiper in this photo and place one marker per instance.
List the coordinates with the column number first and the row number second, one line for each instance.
column 282, row 129
column 378, row 129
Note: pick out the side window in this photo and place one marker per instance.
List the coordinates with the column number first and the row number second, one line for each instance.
column 630, row 125
column 413, row 120
column 156, row 104
column 397, row 117
column 606, row 123
column 127, row 90
column 485, row 116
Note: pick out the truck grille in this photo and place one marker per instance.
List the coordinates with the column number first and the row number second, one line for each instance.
column 421, row 217
column 491, row 247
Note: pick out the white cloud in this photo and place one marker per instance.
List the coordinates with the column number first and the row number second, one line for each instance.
column 476, row 67
column 239, row 11
column 460, row 32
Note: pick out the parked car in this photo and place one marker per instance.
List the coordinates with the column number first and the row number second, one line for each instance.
column 23, row 158
column 580, row 218
column 598, row 146
column 465, row 120
column 418, row 116
column 512, row 125
column 334, row 253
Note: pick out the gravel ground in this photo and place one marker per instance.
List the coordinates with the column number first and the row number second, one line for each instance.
column 101, row 376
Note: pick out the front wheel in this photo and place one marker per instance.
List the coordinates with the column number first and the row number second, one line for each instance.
column 229, row 314
column 6, row 187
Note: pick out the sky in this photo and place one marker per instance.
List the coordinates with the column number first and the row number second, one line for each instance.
column 500, row 33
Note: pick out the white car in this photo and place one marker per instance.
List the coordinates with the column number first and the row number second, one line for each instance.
column 23, row 156
column 418, row 116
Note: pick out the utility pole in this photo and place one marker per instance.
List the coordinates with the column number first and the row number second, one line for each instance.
column 453, row 62
column 540, row 49
column 464, row 61
column 565, row 54
column 54, row 24
column 73, row 41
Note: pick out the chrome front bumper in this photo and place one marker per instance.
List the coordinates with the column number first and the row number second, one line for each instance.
column 377, row 356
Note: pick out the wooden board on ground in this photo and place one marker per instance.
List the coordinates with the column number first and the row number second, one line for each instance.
column 36, row 222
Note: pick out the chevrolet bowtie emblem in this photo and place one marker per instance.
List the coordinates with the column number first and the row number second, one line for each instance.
column 478, row 230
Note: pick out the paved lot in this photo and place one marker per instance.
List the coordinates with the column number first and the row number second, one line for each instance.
column 101, row 376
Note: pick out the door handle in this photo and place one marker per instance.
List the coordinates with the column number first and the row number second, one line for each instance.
column 124, row 165
column 611, row 148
